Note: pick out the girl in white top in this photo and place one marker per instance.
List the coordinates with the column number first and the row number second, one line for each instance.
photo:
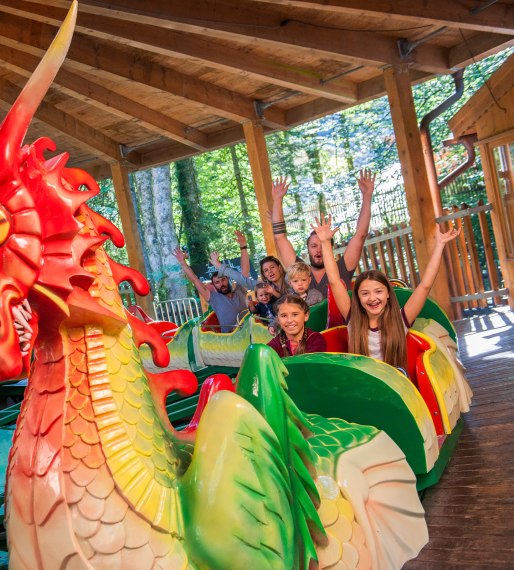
column 373, row 307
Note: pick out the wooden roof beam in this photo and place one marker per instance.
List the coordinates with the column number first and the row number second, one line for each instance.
column 478, row 46
column 497, row 18
column 229, row 22
column 36, row 29
column 82, row 133
column 89, row 89
column 153, row 31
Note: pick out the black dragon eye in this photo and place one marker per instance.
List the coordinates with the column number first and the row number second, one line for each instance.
column 5, row 225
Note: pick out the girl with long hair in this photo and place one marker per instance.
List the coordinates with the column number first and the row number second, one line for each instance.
column 376, row 324
column 294, row 337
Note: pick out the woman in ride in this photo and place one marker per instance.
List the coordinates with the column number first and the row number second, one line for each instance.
column 294, row 337
column 373, row 308
column 272, row 270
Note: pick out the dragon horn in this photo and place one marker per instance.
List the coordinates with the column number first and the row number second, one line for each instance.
column 17, row 121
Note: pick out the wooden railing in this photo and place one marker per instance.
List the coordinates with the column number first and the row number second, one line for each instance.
column 474, row 277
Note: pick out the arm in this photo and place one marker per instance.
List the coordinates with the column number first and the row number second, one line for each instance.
column 416, row 301
column 203, row 291
column 245, row 258
column 325, row 234
column 284, row 246
column 272, row 291
column 231, row 273
column 353, row 252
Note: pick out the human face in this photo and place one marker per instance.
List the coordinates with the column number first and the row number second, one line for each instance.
column 222, row 285
column 373, row 296
column 271, row 271
column 314, row 251
column 300, row 283
column 263, row 296
column 292, row 319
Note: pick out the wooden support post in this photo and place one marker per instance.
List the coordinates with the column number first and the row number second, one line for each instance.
column 417, row 189
column 130, row 231
column 261, row 173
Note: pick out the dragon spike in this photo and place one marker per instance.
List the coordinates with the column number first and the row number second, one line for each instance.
column 17, row 121
column 106, row 227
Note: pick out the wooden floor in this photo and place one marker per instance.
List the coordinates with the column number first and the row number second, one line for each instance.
column 470, row 513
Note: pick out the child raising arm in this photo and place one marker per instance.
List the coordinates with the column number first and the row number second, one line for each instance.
column 373, row 307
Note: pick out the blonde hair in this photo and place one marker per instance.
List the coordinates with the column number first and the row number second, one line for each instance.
column 298, row 268
column 392, row 339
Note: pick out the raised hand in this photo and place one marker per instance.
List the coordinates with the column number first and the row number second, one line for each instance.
column 323, row 228
column 443, row 238
column 279, row 188
column 240, row 238
column 214, row 258
column 366, row 182
column 179, row 254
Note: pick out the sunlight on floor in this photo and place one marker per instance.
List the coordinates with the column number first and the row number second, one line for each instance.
column 486, row 334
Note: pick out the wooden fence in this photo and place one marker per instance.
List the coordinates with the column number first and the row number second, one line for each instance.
column 475, row 280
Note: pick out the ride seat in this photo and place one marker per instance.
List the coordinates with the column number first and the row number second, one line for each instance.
column 211, row 323
column 336, row 339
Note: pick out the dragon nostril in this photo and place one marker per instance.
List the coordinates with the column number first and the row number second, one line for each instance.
column 5, row 225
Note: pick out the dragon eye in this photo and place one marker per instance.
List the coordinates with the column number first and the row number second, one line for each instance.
column 5, row 225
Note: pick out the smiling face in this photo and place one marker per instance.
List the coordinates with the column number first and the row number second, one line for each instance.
column 300, row 283
column 292, row 318
column 271, row 271
column 373, row 297
column 262, row 296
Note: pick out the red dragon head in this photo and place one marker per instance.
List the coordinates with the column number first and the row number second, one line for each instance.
column 46, row 230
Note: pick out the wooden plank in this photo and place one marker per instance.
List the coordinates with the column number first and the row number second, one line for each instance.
column 261, row 173
column 414, row 173
column 69, row 125
column 473, row 257
column 133, row 241
column 492, row 270
column 101, row 52
column 498, row 17
column 381, row 255
column 390, row 254
column 409, row 256
column 400, row 257
column 467, row 274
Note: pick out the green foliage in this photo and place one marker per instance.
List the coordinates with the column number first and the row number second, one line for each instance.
column 105, row 204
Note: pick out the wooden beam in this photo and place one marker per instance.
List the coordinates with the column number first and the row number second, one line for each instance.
column 261, row 173
column 313, row 110
column 98, row 50
column 133, row 241
column 476, row 47
column 153, row 29
column 89, row 88
column 71, row 126
column 497, row 17
column 417, row 190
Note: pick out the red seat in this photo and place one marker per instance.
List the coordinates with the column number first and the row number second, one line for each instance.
column 211, row 323
column 337, row 339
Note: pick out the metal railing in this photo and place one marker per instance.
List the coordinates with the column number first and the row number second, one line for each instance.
column 177, row 310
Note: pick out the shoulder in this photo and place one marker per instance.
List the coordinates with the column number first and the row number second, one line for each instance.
column 316, row 341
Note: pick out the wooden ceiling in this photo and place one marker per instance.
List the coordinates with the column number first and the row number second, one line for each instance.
column 148, row 82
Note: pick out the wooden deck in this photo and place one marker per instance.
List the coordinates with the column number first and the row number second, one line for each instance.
column 470, row 513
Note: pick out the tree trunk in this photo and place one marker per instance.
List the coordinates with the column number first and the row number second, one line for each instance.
column 345, row 136
column 246, row 225
column 144, row 185
column 174, row 282
column 192, row 212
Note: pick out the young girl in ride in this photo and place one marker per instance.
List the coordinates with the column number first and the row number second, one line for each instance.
column 294, row 337
column 376, row 324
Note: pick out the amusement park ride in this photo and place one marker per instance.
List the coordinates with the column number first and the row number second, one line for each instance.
column 309, row 462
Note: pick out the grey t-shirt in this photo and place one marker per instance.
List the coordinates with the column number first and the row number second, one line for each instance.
column 228, row 308
column 322, row 286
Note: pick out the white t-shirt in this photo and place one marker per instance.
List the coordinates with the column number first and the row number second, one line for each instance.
column 375, row 337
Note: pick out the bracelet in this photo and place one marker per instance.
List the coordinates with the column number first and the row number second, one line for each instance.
column 243, row 247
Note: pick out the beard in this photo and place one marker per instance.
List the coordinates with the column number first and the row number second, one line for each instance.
column 224, row 289
column 316, row 264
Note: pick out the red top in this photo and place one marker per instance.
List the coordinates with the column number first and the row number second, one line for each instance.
column 314, row 343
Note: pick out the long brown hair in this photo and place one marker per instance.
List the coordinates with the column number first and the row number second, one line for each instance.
column 282, row 288
column 294, row 300
column 393, row 343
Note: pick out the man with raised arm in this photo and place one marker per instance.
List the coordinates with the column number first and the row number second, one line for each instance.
column 226, row 301
column 348, row 261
